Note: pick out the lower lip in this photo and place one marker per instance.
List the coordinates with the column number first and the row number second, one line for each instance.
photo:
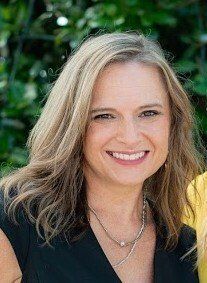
column 129, row 162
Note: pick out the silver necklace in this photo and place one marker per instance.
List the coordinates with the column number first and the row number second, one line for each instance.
column 123, row 243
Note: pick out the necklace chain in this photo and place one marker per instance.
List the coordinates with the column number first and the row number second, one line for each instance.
column 123, row 243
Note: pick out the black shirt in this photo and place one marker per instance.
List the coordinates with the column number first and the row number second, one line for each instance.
column 84, row 261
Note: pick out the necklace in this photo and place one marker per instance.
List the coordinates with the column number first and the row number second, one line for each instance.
column 123, row 243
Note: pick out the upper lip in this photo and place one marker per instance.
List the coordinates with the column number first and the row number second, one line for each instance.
column 127, row 152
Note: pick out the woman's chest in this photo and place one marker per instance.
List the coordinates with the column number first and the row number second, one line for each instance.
column 138, row 259
column 86, row 261
column 79, row 262
column 139, row 268
column 83, row 263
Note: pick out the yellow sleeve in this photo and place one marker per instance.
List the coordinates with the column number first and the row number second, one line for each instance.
column 197, row 193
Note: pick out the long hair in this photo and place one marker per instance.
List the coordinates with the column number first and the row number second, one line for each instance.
column 51, row 190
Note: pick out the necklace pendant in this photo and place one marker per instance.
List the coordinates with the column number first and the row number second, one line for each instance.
column 122, row 244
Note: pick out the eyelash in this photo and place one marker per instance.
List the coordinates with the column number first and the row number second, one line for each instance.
column 103, row 116
column 145, row 114
column 154, row 112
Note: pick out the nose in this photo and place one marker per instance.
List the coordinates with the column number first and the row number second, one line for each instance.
column 128, row 133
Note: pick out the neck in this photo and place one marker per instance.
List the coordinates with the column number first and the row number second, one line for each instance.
column 110, row 200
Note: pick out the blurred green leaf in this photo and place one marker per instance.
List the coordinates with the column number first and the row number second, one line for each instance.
column 184, row 66
column 200, row 85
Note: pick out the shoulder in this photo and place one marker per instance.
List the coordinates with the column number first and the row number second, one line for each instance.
column 186, row 249
column 186, row 241
column 187, row 238
column 16, row 232
column 173, row 265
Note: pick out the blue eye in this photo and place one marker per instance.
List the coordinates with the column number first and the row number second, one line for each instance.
column 149, row 113
column 103, row 117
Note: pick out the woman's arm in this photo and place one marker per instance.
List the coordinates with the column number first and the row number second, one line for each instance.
column 9, row 266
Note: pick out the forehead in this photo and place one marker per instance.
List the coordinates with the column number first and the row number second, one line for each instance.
column 129, row 83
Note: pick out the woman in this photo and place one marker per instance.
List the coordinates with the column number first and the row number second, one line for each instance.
column 110, row 158
column 198, row 198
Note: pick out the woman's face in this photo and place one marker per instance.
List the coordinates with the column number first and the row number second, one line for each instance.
column 127, row 137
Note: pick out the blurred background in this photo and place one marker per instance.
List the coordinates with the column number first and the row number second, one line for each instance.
column 36, row 37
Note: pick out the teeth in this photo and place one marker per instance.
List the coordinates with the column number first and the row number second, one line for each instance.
column 128, row 156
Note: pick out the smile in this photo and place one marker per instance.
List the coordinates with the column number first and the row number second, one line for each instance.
column 123, row 156
column 127, row 158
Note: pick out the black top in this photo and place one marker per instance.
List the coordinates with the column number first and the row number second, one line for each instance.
column 84, row 261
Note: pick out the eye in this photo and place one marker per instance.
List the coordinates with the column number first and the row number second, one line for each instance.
column 149, row 113
column 103, row 117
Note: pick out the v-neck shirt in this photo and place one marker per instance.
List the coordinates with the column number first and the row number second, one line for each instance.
column 84, row 261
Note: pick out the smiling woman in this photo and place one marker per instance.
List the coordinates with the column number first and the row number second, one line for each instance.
column 111, row 156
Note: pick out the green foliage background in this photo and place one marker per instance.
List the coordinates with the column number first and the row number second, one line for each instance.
column 37, row 36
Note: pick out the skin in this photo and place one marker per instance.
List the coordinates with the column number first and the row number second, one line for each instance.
column 9, row 267
column 129, row 113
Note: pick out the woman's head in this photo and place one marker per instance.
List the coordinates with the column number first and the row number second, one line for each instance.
column 54, row 174
column 64, row 120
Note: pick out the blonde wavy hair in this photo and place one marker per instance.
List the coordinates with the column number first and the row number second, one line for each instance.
column 51, row 190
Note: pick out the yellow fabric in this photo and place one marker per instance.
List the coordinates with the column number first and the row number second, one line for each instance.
column 199, row 202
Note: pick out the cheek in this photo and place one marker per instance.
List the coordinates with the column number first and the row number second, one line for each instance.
column 97, row 135
column 160, row 135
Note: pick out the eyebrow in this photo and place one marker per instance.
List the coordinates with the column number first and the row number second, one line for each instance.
column 102, row 109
